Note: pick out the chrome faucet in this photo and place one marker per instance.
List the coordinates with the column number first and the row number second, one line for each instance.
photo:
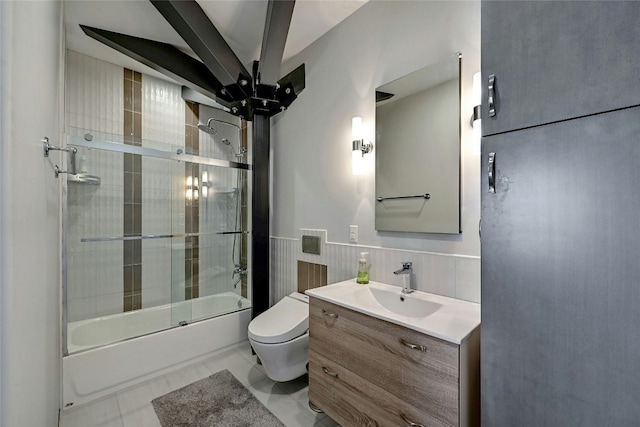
column 406, row 272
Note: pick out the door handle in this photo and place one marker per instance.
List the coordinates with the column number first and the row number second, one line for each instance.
column 492, row 95
column 492, row 172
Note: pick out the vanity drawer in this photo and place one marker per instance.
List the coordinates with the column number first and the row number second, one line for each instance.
column 353, row 401
column 374, row 349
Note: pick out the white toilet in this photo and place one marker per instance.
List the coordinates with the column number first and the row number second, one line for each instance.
column 280, row 338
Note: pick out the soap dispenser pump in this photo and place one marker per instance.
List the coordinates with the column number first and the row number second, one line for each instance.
column 363, row 269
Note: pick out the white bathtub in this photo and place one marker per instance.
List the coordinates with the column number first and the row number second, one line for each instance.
column 90, row 373
column 90, row 333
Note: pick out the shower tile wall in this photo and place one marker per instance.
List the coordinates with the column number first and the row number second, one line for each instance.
column 454, row 276
column 163, row 128
column 132, row 135
column 95, row 103
column 217, row 210
column 192, row 202
column 93, row 100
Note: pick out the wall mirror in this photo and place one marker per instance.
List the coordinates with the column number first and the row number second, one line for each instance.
column 418, row 150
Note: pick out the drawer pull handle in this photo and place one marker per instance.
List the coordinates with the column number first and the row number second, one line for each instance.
column 326, row 313
column 413, row 346
column 409, row 422
column 328, row 372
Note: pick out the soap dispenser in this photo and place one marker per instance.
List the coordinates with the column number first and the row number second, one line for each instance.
column 363, row 269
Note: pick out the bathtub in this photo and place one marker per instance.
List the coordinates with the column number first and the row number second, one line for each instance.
column 138, row 353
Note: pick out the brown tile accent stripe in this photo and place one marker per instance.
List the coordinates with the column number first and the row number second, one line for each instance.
column 132, row 262
column 311, row 275
column 192, row 205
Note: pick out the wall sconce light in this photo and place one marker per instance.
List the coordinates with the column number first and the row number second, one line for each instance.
column 476, row 121
column 193, row 191
column 359, row 146
column 205, row 184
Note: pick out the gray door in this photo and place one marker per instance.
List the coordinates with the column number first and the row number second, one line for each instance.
column 558, row 60
column 561, row 274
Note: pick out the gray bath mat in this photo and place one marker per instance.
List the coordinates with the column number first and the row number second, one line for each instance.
column 219, row 400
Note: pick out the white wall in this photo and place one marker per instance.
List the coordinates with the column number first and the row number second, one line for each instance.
column 313, row 186
column 30, row 98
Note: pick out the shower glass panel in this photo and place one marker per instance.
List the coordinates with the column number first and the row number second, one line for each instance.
column 153, row 239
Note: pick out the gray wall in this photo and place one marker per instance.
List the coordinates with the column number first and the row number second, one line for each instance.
column 313, row 186
column 30, row 98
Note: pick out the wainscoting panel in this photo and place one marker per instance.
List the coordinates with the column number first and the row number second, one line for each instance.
column 455, row 276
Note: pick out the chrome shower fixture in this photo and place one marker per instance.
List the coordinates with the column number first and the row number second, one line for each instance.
column 212, row 131
column 207, row 128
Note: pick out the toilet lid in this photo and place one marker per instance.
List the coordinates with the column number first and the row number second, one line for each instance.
column 286, row 320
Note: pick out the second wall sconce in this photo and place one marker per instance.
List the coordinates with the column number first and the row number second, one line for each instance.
column 359, row 147
column 476, row 120
column 193, row 190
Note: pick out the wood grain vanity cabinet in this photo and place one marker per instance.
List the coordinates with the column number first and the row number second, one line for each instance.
column 364, row 371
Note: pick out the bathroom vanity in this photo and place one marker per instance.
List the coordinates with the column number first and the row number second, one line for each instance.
column 378, row 357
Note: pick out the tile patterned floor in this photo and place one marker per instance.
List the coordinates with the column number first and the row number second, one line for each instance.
column 132, row 407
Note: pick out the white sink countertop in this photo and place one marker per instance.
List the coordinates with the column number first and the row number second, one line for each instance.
column 442, row 317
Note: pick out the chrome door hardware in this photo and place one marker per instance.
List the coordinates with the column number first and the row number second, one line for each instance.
column 413, row 346
column 330, row 373
column 492, row 95
column 409, row 422
column 331, row 315
column 72, row 155
column 492, row 172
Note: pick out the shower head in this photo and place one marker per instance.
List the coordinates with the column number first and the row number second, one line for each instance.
column 207, row 128
column 211, row 131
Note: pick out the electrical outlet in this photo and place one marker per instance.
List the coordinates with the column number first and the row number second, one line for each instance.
column 353, row 233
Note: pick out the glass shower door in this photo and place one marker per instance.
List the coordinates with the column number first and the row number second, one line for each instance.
column 153, row 239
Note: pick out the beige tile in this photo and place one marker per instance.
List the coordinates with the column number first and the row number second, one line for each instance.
column 141, row 417
column 128, row 94
column 135, row 404
column 468, row 279
column 291, row 413
column 247, row 371
column 137, row 125
column 329, row 422
column 134, row 398
column 103, row 413
column 128, row 127
column 303, row 276
column 188, row 113
column 187, row 375
column 137, row 97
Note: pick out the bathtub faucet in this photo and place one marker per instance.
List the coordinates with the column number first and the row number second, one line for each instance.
column 239, row 270
column 406, row 271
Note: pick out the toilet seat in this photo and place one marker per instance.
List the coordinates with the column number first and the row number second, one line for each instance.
column 286, row 320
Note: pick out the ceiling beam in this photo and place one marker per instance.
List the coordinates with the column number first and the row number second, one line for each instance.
column 165, row 59
column 193, row 25
column 276, row 29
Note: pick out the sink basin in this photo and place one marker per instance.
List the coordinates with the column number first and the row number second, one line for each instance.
column 403, row 304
